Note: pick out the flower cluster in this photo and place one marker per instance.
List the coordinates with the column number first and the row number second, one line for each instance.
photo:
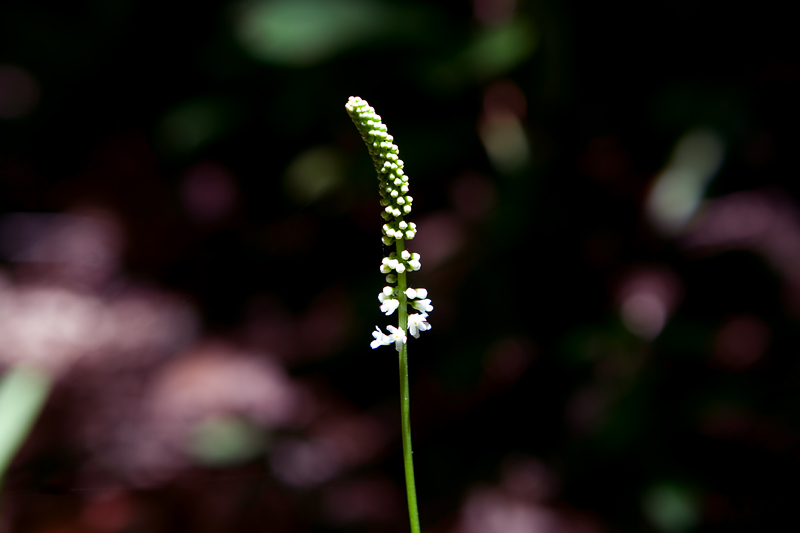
column 396, row 203
column 393, row 186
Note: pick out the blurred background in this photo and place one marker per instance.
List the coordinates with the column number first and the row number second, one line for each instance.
column 607, row 205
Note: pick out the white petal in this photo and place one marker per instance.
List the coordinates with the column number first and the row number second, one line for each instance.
column 388, row 306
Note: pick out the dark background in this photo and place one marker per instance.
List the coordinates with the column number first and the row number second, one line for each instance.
column 211, row 147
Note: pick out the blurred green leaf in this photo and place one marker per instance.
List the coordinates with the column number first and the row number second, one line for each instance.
column 301, row 33
column 671, row 508
column 225, row 440
column 190, row 125
column 313, row 174
column 23, row 392
column 493, row 52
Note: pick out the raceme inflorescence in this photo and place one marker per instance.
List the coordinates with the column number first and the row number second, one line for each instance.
column 396, row 203
column 396, row 296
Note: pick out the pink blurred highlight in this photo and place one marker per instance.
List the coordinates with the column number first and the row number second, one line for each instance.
column 504, row 97
column 336, row 443
column 517, row 505
column 214, row 378
column 494, row 12
column 50, row 327
column 55, row 327
column 646, row 297
column 440, row 236
column 209, row 192
column 83, row 247
column 319, row 331
column 766, row 223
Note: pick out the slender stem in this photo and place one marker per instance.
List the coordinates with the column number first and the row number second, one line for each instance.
column 405, row 404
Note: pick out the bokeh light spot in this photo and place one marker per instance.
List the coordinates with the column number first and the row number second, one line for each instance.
column 313, row 174
column 209, row 192
column 193, row 124
column 500, row 127
column 671, row 508
column 680, row 186
column 646, row 298
column 224, row 440
column 499, row 49
column 305, row 32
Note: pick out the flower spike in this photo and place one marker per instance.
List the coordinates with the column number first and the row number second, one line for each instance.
column 396, row 204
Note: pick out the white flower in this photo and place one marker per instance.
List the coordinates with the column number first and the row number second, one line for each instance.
column 414, row 264
column 389, row 305
column 417, row 323
column 400, row 268
column 423, row 305
column 398, row 336
column 405, row 255
column 380, row 339
column 416, row 293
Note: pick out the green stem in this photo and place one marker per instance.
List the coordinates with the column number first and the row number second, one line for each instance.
column 405, row 404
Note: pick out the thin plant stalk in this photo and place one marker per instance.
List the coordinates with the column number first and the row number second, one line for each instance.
column 405, row 406
column 397, row 295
